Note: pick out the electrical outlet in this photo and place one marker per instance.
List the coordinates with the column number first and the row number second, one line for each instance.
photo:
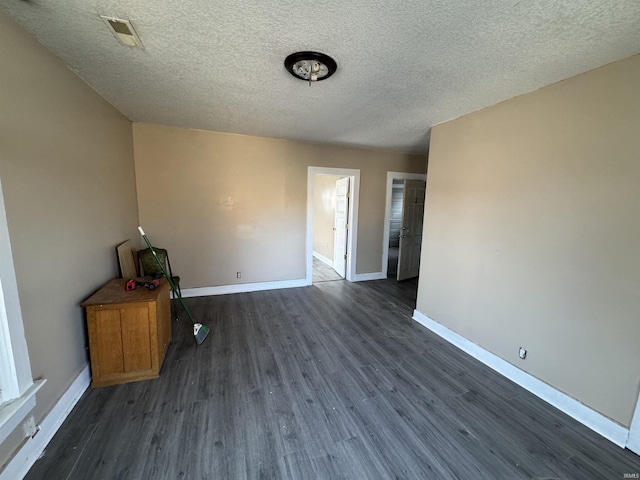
column 522, row 353
column 238, row 274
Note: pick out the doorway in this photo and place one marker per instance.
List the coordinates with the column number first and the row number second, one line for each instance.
column 334, row 224
column 393, row 224
column 330, row 235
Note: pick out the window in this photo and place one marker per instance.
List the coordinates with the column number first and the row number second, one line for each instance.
column 17, row 390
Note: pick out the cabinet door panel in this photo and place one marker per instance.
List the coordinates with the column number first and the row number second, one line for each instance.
column 135, row 338
column 109, row 342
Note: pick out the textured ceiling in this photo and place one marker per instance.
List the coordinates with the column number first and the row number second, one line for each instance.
column 403, row 66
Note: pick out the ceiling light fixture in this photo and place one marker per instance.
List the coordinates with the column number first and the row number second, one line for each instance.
column 310, row 66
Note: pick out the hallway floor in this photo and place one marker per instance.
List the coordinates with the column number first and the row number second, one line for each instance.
column 323, row 272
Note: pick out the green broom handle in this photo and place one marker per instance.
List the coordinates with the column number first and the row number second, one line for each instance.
column 166, row 275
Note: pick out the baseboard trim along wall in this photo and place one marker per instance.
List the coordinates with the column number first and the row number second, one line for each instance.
column 563, row 402
column 33, row 448
column 256, row 287
column 365, row 277
column 243, row 288
column 323, row 259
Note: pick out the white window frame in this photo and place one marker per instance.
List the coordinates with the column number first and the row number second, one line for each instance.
column 17, row 388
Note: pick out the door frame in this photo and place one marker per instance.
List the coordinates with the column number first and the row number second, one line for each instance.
column 352, row 236
column 391, row 176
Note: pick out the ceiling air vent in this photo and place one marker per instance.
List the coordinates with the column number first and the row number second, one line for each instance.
column 124, row 31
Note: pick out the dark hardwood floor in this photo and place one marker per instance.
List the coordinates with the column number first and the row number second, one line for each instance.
column 333, row 381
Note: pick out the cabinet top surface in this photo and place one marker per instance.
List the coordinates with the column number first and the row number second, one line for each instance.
column 113, row 292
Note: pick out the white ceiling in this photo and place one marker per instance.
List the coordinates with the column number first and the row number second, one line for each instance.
column 403, row 66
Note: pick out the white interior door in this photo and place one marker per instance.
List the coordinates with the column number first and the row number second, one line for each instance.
column 340, row 227
column 411, row 231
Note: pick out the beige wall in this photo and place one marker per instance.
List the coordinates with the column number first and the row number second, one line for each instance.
column 532, row 229
column 223, row 203
column 66, row 165
column 324, row 214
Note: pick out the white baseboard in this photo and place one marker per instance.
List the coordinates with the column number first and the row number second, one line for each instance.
column 32, row 449
column 633, row 444
column 364, row 277
column 563, row 402
column 323, row 259
column 256, row 287
column 243, row 288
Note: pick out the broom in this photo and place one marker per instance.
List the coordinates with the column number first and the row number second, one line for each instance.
column 200, row 331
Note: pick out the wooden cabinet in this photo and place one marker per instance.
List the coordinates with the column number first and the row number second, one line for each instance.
column 129, row 332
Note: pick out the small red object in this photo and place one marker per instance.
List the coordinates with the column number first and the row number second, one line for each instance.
column 130, row 285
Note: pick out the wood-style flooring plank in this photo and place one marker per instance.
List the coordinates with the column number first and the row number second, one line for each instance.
column 323, row 272
column 323, row 382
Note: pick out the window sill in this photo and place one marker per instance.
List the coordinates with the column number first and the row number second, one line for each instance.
column 14, row 412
